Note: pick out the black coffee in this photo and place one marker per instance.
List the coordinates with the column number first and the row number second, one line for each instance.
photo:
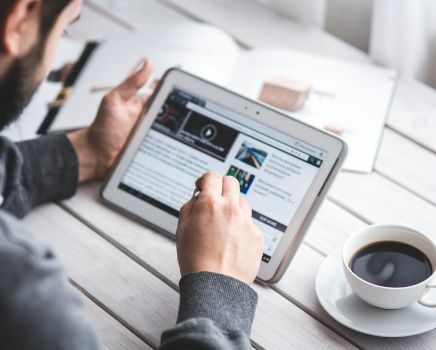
column 391, row 264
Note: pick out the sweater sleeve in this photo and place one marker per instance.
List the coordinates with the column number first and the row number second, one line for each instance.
column 39, row 310
column 215, row 312
column 36, row 171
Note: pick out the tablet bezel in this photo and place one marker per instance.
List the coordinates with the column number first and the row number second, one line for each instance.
column 164, row 222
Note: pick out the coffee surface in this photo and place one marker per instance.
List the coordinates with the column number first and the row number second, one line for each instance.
column 391, row 264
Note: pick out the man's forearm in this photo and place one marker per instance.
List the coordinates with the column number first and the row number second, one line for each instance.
column 215, row 312
column 35, row 172
column 87, row 158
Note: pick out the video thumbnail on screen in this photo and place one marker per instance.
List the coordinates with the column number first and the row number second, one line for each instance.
column 177, row 120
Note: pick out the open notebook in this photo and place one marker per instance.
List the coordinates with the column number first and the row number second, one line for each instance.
column 351, row 96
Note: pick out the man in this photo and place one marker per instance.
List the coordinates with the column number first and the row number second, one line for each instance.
column 219, row 248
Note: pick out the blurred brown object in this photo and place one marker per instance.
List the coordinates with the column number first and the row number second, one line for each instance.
column 285, row 93
column 61, row 98
column 335, row 129
column 61, row 75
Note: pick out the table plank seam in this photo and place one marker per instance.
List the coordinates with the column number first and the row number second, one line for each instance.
column 315, row 316
column 256, row 346
column 404, row 187
column 311, row 246
column 118, row 246
column 349, row 210
column 112, row 314
column 409, row 138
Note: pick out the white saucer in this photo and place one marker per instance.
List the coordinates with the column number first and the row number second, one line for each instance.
column 337, row 298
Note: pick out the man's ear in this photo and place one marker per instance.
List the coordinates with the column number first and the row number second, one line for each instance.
column 21, row 27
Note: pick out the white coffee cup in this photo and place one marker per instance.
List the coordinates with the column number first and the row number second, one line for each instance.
column 390, row 297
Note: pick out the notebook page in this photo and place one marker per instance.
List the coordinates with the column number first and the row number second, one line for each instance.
column 197, row 48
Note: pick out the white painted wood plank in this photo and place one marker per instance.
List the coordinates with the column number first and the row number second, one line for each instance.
column 408, row 164
column 331, row 226
column 378, row 200
column 278, row 322
column 414, row 112
column 113, row 334
column 139, row 298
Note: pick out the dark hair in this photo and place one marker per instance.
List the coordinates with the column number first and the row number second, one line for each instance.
column 50, row 10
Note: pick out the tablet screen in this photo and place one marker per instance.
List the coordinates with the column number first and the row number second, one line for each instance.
column 192, row 136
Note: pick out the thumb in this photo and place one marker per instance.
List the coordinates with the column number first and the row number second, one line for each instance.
column 129, row 87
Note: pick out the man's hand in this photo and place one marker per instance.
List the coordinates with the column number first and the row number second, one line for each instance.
column 98, row 146
column 216, row 232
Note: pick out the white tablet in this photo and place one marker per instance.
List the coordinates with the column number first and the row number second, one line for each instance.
column 284, row 166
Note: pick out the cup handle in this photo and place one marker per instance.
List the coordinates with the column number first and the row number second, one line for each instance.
column 422, row 301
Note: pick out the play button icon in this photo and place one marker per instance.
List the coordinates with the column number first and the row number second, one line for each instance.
column 208, row 132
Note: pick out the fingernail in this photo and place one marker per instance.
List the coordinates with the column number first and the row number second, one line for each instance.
column 142, row 65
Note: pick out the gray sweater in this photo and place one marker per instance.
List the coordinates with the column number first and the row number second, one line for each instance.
column 39, row 310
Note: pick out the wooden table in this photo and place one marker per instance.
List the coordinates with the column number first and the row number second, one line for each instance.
column 128, row 274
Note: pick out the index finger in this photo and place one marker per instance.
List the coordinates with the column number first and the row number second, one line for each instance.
column 210, row 182
column 231, row 187
column 129, row 87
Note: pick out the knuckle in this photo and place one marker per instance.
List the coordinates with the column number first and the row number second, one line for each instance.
column 211, row 174
column 232, row 179
column 233, row 210
column 108, row 97
column 210, row 202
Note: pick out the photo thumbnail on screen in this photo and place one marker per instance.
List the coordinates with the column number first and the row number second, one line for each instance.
column 251, row 155
column 244, row 178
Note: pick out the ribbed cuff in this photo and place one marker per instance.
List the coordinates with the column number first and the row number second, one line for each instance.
column 50, row 168
column 230, row 303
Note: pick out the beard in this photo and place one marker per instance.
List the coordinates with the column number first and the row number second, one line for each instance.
column 18, row 86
